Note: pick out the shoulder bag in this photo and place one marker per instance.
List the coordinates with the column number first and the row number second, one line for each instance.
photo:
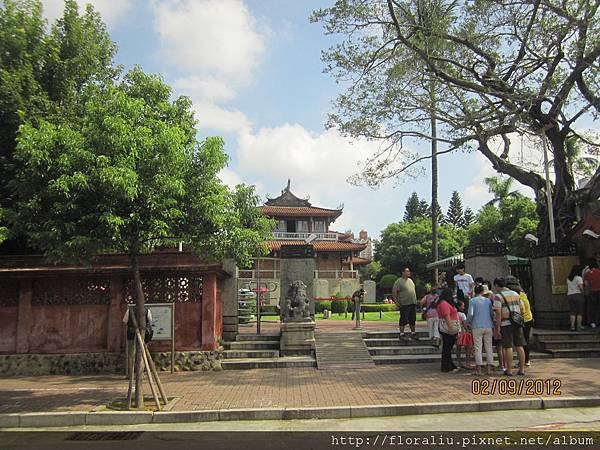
column 515, row 318
column 452, row 329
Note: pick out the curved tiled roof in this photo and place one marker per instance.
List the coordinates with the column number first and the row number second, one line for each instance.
column 320, row 246
column 357, row 261
column 299, row 211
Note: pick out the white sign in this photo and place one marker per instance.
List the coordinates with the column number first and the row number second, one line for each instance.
column 162, row 321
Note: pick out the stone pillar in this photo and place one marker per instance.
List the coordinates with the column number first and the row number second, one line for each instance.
column 24, row 318
column 229, row 296
column 486, row 260
column 370, row 287
column 550, row 266
column 302, row 269
column 298, row 326
column 115, row 314
column 321, row 288
column 348, row 286
column 209, row 312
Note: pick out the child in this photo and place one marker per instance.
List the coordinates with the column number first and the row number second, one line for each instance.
column 464, row 339
column 428, row 303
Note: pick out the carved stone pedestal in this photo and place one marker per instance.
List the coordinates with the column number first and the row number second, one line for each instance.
column 297, row 338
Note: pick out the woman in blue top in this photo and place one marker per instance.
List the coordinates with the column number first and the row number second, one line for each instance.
column 480, row 318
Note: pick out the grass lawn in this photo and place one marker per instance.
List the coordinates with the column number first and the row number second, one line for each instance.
column 388, row 316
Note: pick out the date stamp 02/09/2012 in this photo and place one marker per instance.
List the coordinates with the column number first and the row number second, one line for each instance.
column 514, row 386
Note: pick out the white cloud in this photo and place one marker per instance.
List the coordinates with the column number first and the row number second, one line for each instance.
column 229, row 177
column 477, row 192
column 210, row 36
column 110, row 10
column 206, row 88
column 215, row 46
column 214, row 117
column 318, row 165
column 314, row 161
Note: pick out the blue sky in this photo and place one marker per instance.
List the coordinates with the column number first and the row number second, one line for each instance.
column 253, row 71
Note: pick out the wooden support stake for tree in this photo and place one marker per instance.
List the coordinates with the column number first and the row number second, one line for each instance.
column 148, row 371
column 155, row 374
column 131, row 376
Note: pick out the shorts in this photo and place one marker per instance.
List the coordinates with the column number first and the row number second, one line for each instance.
column 408, row 314
column 512, row 335
column 576, row 304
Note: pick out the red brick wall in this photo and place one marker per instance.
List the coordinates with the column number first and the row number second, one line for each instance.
column 68, row 328
column 75, row 328
column 8, row 329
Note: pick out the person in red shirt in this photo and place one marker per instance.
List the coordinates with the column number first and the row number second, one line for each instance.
column 592, row 282
column 447, row 313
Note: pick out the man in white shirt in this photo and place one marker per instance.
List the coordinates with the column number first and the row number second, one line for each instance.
column 464, row 281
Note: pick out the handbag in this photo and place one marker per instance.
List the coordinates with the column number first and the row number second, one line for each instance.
column 453, row 329
column 515, row 318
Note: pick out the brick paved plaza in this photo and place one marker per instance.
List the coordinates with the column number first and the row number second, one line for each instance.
column 277, row 388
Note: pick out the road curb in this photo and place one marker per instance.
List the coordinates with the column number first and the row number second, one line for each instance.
column 66, row 419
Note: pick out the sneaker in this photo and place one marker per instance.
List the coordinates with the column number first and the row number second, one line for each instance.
column 593, row 325
column 527, row 364
column 572, row 329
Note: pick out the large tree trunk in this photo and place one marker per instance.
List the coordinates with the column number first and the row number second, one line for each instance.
column 141, row 321
column 434, row 195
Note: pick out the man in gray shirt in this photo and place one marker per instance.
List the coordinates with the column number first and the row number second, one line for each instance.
column 405, row 296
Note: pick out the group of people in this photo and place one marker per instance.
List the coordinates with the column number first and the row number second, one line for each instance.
column 472, row 315
column 583, row 293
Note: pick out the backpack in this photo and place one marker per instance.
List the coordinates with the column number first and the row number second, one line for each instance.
column 131, row 329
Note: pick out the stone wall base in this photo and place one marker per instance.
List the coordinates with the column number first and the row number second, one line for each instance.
column 102, row 363
column 297, row 338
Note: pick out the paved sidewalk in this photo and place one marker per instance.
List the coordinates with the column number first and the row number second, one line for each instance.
column 293, row 388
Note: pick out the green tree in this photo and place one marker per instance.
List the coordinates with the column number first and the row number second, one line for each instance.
column 412, row 208
column 392, row 98
column 409, row 244
column 469, row 217
column 415, row 208
column 127, row 176
column 508, row 222
column 500, row 68
column 455, row 215
column 45, row 74
column 371, row 270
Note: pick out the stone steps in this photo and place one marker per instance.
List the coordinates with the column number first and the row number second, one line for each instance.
column 257, row 337
column 391, row 334
column 551, row 336
column 254, row 345
column 576, row 353
column 395, row 342
column 431, row 358
column 568, row 344
column 406, row 350
column 237, row 354
column 269, row 363
column 339, row 350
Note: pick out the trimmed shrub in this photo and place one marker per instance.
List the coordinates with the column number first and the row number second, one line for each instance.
column 339, row 306
column 387, row 282
column 269, row 310
column 377, row 307
column 321, row 305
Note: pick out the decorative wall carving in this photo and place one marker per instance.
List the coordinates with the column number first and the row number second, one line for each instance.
column 167, row 288
column 9, row 293
column 83, row 290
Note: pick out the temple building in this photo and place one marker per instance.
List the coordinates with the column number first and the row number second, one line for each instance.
column 338, row 255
